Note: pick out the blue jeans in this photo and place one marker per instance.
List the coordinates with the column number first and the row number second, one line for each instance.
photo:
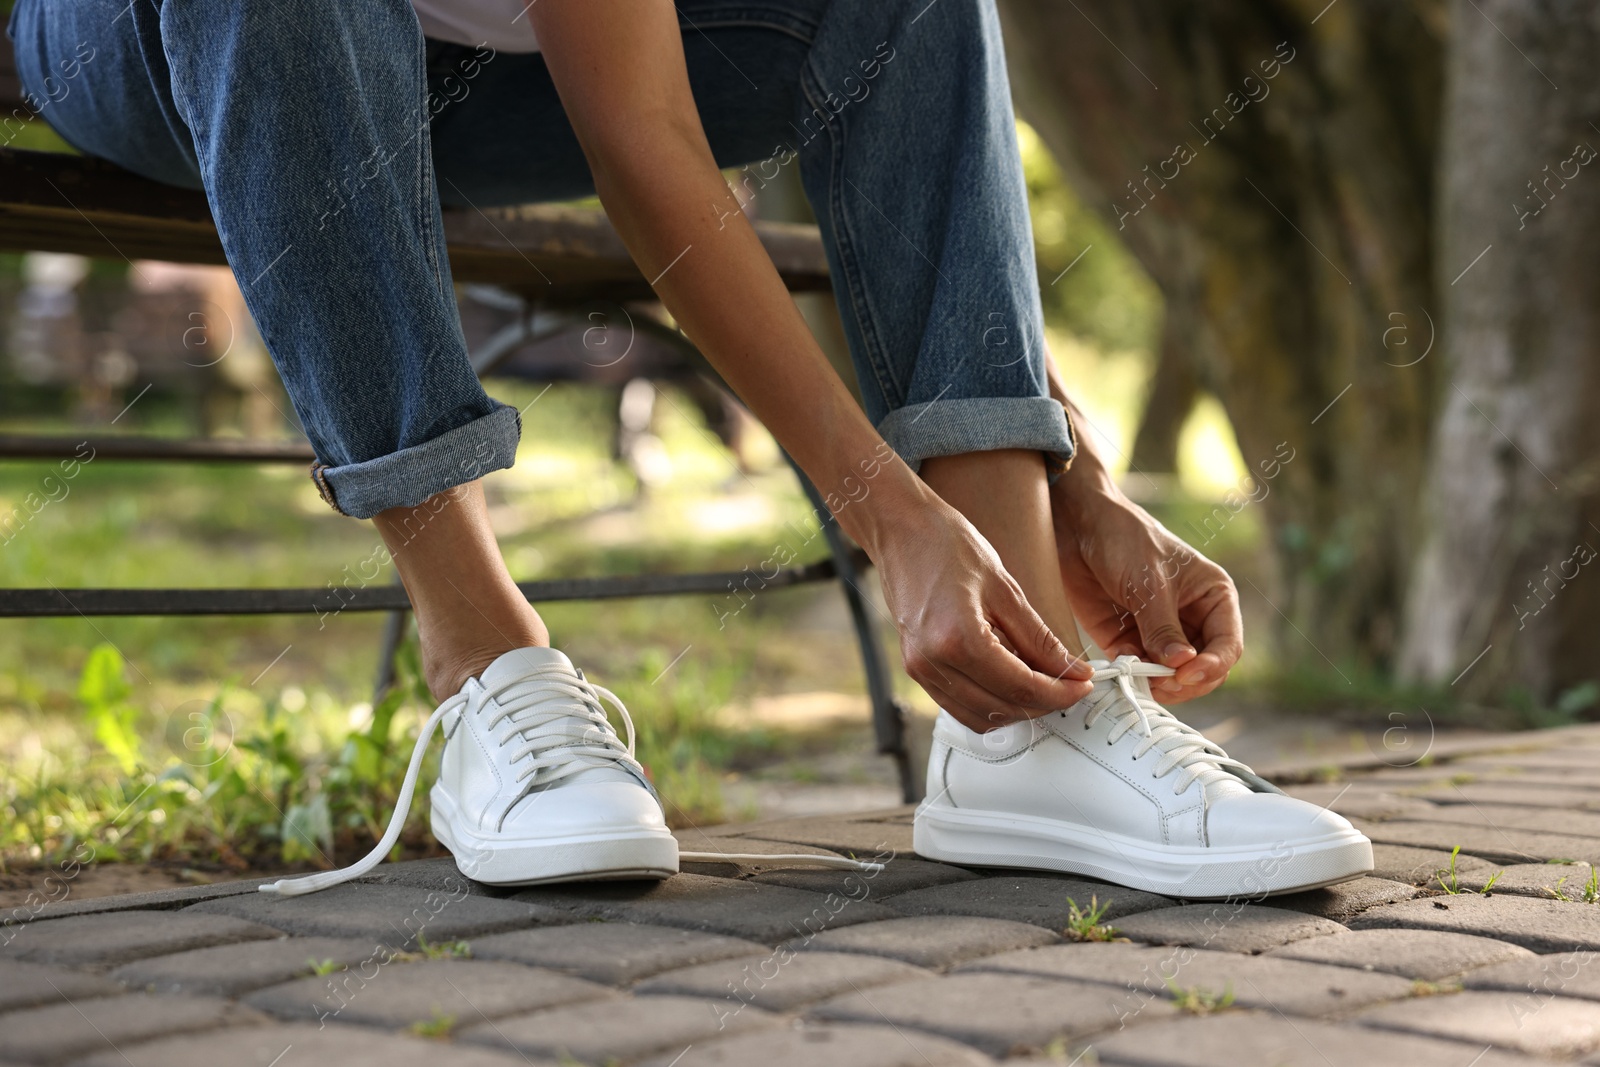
column 326, row 133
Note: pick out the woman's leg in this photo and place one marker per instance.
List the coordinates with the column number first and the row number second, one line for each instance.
column 908, row 149
column 324, row 199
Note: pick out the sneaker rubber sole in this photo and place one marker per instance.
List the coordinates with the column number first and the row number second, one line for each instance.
column 601, row 856
column 1005, row 839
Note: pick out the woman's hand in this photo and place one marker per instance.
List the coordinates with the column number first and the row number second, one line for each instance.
column 967, row 634
column 1140, row 590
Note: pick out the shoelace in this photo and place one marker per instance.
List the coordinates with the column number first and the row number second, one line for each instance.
column 1182, row 747
column 529, row 706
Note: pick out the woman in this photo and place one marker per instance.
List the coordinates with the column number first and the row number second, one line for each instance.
column 326, row 133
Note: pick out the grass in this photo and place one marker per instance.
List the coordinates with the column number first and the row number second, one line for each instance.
column 1448, row 879
column 438, row 1026
column 1084, row 924
column 1589, row 894
column 1198, row 1000
column 444, row 950
column 250, row 743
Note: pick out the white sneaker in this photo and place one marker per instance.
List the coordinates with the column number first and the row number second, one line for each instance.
column 1118, row 788
column 535, row 786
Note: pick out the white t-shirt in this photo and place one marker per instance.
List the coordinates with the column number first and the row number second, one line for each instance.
column 501, row 24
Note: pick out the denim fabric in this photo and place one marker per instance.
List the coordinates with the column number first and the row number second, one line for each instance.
column 326, row 133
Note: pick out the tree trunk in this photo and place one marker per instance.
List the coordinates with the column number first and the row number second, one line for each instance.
column 1172, row 395
column 1507, row 582
column 1271, row 164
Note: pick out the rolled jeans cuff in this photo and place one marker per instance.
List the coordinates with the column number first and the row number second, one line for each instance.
column 954, row 427
column 406, row 478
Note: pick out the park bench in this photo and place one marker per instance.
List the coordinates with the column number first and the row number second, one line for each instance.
column 553, row 257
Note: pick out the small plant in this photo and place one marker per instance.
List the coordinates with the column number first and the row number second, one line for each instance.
column 1589, row 894
column 1488, row 887
column 438, row 1026
column 1447, row 877
column 444, row 950
column 1198, row 1000
column 1563, row 861
column 322, row 968
column 1083, row 924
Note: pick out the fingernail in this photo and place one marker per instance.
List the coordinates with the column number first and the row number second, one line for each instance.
column 1177, row 648
column 1193, row 677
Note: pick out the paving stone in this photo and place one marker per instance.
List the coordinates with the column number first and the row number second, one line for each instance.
column 1417, row 866
column 1353, row 801
column 1430, row 955
column 937, row 941
column 1511, row 819
column 783, row 979
column 1494, row 844
column 23, row 985
column 231, row 970
column 1559, row 974
column 998, row 1013
column 391, row 914
column 303, row 1046
column 837, row 1046
column 1144, row 972
column 615, row 953
column 439, row 874
column 1259, row 1039
column 1345, row 899
column 400, row 994
column 765, row 913
column 859, row 838
column 155, row 900
column 619, row 1030
column 697, row 841
column 1515, row 793
column 1540, row 925
column 900, row 875
column 1542, row 1026
column 1533, row 880
column 1226, row 926
column 122, row 936
column 68, row 1029
column 1034, row 899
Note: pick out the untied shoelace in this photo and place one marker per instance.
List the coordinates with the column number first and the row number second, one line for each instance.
column 563, row 752
column 1181, row 745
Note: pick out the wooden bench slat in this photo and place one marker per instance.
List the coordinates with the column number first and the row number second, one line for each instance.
column 552, row 253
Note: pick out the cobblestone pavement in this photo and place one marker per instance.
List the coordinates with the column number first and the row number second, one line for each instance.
column 922, row 965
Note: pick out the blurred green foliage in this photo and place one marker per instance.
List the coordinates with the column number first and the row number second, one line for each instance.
column 1105, row 298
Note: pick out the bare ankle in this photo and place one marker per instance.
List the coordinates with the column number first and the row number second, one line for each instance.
column 446, row 669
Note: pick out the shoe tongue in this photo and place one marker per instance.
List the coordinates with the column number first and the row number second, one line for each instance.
column 1217, row 782
column 519, row 662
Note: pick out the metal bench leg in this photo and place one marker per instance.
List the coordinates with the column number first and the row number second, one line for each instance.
column 394, row 632
column 888, row 714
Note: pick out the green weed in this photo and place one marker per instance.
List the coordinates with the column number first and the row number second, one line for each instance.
column 1083, row 924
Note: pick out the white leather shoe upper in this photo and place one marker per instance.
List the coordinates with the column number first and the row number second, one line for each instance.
column 1120, row 763
column 529, row 753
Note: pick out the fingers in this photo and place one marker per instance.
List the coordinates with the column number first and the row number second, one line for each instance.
column 1161, row 633
column 1034, row 643
column 1221, row 636
column 974, row 706
column 977, row 679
